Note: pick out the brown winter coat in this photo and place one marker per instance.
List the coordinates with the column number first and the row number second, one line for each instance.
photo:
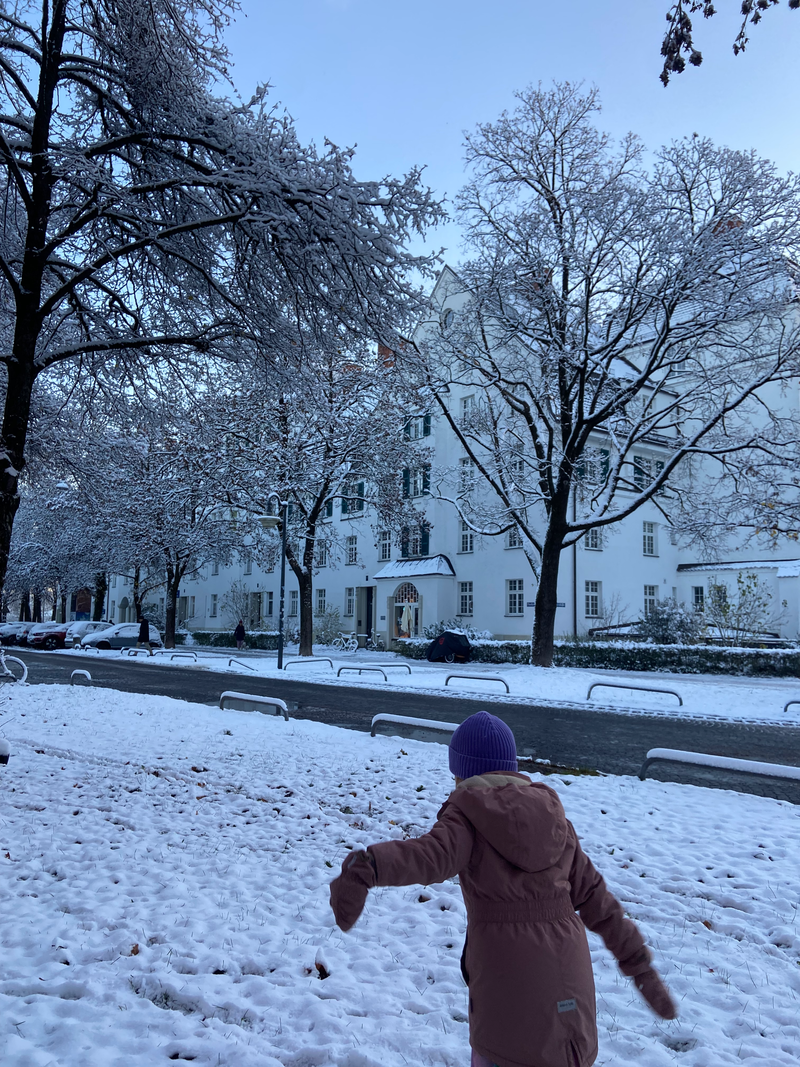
column 523, row 875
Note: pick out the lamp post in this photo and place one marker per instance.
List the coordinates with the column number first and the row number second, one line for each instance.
column 269, row 522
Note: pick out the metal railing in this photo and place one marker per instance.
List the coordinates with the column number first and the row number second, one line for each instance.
column 79, row 674
column 724, row 763
column 639, row 688
column 377, row 670
column 231, row 701
column 137, row 652
column 789, row 703
column 306, row 661
column 393, row 666
column 173, row 655
column 232, row 660
column 479, row 678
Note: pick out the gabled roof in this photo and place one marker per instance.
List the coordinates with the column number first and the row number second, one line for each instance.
column 435, row 566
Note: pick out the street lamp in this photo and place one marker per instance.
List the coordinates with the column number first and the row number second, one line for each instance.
column 269, row 522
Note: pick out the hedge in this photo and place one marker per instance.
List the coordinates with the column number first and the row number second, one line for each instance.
column 267, row 641
column 633, row 656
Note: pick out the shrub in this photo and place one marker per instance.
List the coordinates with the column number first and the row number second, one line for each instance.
column 459, row 626
column 669, row 623
column 327, row 626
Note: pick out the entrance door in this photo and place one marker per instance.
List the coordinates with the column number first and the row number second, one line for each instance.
column 365, row 599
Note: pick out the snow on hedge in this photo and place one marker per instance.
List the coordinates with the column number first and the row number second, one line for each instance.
column 164, row 895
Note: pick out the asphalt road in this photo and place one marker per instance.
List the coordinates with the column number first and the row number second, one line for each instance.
column 574, row 737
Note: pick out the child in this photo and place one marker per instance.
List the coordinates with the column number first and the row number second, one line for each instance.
column 524, row 876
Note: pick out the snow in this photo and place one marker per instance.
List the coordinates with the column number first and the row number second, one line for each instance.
column 709, row 697
column 704, row 759
column 165, row 896
column 408, row 568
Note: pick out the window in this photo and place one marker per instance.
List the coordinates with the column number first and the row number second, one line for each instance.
column 320, row 601
column 415, row 541
column 212, row 606
column 513, row 538
column 699, row 598
column 269, row 603
column 384, row 546
column 649, row 546
column 215, row 568
column 465, row 598
column 192, row 604
column 650, row 598
column 351, row 549
column 593, row 595
column 294, row 602
column 321, row 554
column 353, row 502
column 329, row 509
column 594, row 539
column 248, row 564
column 467, row 540
column 514, row 593
column 349, row 600
column 468, row 406
column 416, row 480
column 113, row 608
column 466, row 474
column 645, row 471
column 416, row 427
column 113, row 581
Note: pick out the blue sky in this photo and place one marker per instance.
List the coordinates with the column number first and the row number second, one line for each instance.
column 404, row 80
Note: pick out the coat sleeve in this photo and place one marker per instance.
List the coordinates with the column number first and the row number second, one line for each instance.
column 601, row 913
column 434, row 857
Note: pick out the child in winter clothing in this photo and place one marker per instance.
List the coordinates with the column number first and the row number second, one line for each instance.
column 524, row 876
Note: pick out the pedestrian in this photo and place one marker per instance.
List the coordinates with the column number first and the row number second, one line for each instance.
column 238, row 633
column 524, row 876
column 144, row 636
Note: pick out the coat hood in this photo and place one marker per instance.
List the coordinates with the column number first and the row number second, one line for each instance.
column 523, row 820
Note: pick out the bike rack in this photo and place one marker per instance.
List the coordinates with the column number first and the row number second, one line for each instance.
column 79, row 674
column 306, row 660
column 725, row 763
column 233, row 660
column 393, row 666
column 640, row 688
column 377, row 670
column 479, row 678
column 5, row 752
column 418, row 726
column 232, row 701
column 136, row 652
column 789, row 703
column 172, row 655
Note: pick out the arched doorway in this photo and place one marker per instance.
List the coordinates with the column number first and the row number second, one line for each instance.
column 124, row 609
column 406, row 611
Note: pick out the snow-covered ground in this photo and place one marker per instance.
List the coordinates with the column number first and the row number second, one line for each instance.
column 739, row 699
column 164, row 871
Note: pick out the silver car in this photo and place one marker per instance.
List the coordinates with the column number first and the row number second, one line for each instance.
column 123, row 635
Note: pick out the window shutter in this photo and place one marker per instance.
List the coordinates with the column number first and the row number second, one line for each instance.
column 345, row 503
column 426, row 426
column 407, row 482
column 360, row 495
column 424, row 540
column 404, row 537
column 604, row 464
column 328, row 509
column 426, row 478
column 407, row 430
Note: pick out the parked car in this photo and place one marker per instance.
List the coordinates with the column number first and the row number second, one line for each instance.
column 16, row 633
column 123, row 635
column 48, row 635
column 78, row 630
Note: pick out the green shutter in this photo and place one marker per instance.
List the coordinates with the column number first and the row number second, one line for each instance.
column 604, row 465
column 426, row 478
column 404, row 542
column 426, row 426
column 328, row 509
column 424, row 540
column 345, row 503
column 358, row 504
column 407, row 430
column 406, row 482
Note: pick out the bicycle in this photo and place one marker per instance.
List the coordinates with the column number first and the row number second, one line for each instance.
column 375, row 644
column 12, row 669
column 345, row 642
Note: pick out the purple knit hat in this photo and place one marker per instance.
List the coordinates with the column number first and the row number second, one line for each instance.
column 482, row 743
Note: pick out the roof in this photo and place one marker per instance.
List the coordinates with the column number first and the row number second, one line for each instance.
column 417, row 568
column 786, row 568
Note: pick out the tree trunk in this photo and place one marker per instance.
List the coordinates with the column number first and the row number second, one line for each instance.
column 13, row 436
column 137, row 593
column 63, row 607
column 100, row 590
column 306, row 584
column 25, row 607
column 37, row 607
column 174, row 576
column 547, row 594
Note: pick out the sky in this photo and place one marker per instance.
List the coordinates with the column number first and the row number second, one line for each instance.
column 404, row 81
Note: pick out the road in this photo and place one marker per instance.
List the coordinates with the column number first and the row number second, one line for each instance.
column 574, row 737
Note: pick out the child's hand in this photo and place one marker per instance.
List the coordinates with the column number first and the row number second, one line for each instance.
column 656, row 994
column 349, row 890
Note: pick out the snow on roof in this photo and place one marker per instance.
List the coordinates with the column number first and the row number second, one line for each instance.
column 786, row 568
column 417, row 568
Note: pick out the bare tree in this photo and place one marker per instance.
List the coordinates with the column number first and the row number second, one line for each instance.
column 678, row 45
column 614, row 326
column 133, row 201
